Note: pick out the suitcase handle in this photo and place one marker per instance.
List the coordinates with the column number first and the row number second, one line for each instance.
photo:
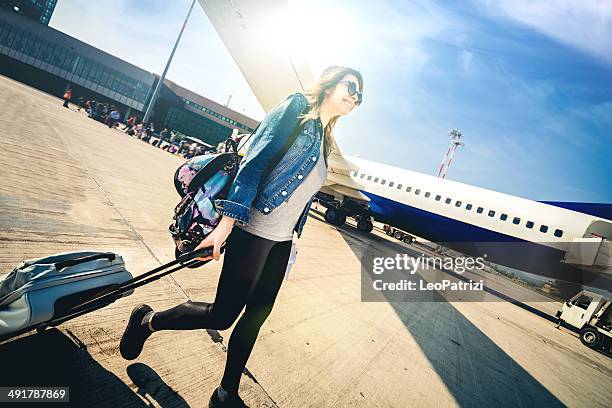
column 72, row 262
column 184, row 260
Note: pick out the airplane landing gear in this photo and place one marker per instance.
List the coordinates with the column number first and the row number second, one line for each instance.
column 365, row 225
column 335, row 217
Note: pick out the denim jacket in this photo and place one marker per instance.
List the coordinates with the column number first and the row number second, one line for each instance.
column 288, row 174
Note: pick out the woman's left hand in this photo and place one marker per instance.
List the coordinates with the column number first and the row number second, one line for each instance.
column 216, row 238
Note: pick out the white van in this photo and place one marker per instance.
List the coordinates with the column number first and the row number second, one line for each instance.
column 591, row 314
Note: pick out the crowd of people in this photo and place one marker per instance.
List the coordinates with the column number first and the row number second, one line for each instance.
column 167, row 139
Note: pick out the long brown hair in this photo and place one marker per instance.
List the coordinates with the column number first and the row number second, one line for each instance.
column 316, row 95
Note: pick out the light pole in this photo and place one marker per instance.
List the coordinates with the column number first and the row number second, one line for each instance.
column 455, row 135
column 163, row 75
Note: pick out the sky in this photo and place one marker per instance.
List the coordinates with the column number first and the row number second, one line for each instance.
column 529, row 84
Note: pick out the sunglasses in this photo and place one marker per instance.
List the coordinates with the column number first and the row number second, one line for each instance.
column 352, row 91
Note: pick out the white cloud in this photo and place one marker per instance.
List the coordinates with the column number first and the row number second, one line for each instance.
column 583, row 24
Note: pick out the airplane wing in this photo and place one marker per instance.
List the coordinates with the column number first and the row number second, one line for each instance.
column 258, row 35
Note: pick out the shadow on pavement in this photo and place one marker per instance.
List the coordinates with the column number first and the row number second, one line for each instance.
column 53, row 359
column 473, row 368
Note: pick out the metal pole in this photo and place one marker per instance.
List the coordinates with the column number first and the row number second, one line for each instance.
column 444, row 158
column 456, row 145
column 163, row 76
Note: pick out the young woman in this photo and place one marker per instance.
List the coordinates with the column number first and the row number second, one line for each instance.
column 257, row 250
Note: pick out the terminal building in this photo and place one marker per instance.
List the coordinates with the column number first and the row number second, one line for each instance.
column 39, row 10
column 49, row 60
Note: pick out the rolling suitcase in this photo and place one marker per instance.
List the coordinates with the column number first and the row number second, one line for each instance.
column 48, row 291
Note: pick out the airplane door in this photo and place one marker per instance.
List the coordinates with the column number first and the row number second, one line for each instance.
column 575, row 313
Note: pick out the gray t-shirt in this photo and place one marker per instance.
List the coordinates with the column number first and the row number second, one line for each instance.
column 278, row 225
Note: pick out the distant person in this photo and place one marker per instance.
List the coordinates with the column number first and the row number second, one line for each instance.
column 67, row 97
column 139, row 130
column 81, row 104
column 182, row 147
column 92, row 108
column 148, row 132
column 221, row 147
column 173, row 137
column 130, row 123
column 258, row 228
column 114, row 117
column 164, row 136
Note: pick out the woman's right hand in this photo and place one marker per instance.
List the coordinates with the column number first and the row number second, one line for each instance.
column 216, row 238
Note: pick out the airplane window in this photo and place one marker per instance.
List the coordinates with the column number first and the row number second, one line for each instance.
column 417, row 191
column 383, row 182
column 399, row 186
column 516, row 220
column 491, row 213
column 448, row 201
column 427, row 194
column 558, row 233
column 479, row 210
column 353, row 173
column 391, row 183
column 362, row 175
column 529, row 224
column 376, row 179
column 468, row 207
column 503, row 217
column 543, row 228
column 438, row 197
column 458, row 204
column 408, row 189
column 369, row 177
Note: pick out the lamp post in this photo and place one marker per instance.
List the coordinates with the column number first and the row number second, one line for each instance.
column 151, row 104
column 455, row 135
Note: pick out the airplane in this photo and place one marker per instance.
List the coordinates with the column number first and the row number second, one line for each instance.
column 567, row 241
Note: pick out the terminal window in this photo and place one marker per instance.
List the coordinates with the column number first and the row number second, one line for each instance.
column 195, row 125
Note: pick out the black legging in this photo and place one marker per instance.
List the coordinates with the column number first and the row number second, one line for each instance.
column 252, row 273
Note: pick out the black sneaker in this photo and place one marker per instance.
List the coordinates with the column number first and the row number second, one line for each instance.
column 135, row 333
column 231, row 401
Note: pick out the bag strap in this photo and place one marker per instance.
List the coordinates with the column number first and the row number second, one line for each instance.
column 281, row 153
column 210, row 169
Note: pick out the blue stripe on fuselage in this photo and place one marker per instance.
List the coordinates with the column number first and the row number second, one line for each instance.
column 428, row 225
column 596, row 209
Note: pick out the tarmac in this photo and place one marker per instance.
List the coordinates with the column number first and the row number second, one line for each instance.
column 69, row 183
